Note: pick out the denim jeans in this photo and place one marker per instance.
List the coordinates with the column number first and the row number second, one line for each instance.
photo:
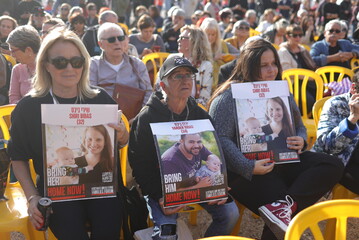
column 224, row 218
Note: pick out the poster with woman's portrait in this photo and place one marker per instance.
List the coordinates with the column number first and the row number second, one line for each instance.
column 192, row 166
column 79, row 151
column 264, row 120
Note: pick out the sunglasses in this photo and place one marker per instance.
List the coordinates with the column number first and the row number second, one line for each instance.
column 182, row 77
column 113, row 39
column 182, row 37
column 243, row 28
column 334, row 30
column 294, row 35
column 61, row 62
column 64, row 9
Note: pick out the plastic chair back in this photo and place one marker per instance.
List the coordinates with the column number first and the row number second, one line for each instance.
column 253, row 32
column 317, row 109
column 10, row 59
column 157, row 60
column 298, row 80
column 226, row 238
column 311, row 216
column 123, row 153
column 275, row 46
column 332, row 71
column 306, row 47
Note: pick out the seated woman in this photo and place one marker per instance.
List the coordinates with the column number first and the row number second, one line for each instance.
column 77, row 24
column 338, row 133
column 222, row 52
column 7, row 24
column 145, row 41
column 61, row 78
column 278, row 192
column 307, row 25
column 193, row 44
column 114, row 66
column 276, row 35
column 24, row 44
column 240, row 33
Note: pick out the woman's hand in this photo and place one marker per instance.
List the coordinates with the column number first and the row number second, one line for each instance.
column 354, row 108
column 263, row 166
column 295, row 143
column 122, row 133
column 35, row 215
column 171, row 210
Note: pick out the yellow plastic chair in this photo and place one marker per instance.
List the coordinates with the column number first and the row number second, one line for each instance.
column 293, row 77
column 10, row 59
column 157, row 60
column 317, row 109
column 275, row 46
column 340, row 210
column 332, row 70
column 226, row 238
column 253, row 32
column 306, row 47
column 354, row 63
column 123, row 152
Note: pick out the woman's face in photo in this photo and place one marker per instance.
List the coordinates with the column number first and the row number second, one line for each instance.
column 94, row 141
column 274, row 111
column 269, row 69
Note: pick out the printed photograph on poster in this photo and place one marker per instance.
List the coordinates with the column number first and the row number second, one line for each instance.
column 264, row 120
column 79, row 152
column 192, row 165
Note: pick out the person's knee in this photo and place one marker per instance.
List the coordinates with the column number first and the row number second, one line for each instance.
column 165, row 232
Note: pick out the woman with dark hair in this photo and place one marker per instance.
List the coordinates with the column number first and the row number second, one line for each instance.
column 276, row 191
column 145, row 41
column 307, row 25
column 98, row 153
column 77, row 24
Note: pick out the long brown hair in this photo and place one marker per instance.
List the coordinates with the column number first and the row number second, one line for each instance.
column 248, row 65
column 286, row 121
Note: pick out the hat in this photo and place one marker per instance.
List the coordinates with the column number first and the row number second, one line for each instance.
column 172, row 63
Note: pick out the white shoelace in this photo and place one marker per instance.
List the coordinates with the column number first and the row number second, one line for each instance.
column 286, row 211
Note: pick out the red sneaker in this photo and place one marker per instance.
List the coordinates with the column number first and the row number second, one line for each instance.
column 277, row 215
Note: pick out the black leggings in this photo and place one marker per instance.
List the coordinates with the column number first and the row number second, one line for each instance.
column 104, row 215
column 306, row 182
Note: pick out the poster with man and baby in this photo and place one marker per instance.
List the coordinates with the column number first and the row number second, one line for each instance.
column 79, row 153
column 264, row 120
column 192, row 165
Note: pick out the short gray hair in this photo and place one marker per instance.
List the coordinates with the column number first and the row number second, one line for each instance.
column 331, row 23
column 104, row 15
column 238, row 24
column 23, row 37
column 250, row 13
column 106, row 27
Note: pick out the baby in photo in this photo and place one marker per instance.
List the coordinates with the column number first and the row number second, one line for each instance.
column 212, row 169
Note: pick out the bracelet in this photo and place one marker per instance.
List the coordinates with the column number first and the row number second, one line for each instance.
column 32, row 197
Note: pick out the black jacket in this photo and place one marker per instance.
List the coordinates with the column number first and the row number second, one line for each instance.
column 142, row 153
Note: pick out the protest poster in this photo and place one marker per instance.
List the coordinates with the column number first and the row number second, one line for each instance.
column 79, row 151
column 264, row 120
column 192, row 165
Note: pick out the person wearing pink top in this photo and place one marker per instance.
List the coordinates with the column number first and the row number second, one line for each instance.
column 24, row 43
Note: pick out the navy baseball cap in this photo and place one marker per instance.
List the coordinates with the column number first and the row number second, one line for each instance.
column 172, row 63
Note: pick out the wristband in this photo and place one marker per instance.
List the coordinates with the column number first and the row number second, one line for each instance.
column 32, row 197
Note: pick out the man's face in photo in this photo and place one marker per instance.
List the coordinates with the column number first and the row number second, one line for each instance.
column 192, row 143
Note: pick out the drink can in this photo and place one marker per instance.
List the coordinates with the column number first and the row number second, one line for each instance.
column 44, row 207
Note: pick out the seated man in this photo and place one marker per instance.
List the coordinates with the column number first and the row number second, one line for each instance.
column 332, row 50
column 176, row 77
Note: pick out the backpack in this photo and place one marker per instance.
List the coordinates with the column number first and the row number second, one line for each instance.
column 4, row 91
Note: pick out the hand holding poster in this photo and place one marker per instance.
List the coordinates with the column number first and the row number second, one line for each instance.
column 192, row 164
column 79, row 152
column 264, row 120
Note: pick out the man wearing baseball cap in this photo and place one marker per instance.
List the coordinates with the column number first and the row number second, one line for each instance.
column 173, row 103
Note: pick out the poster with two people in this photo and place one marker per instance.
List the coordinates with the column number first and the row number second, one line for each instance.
column 191, row 161
column 79, row 151
column 264, row 120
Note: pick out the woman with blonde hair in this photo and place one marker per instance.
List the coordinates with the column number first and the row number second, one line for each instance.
column 194, row 45
column 222, row 52
column 62, row 77
column 7, row 24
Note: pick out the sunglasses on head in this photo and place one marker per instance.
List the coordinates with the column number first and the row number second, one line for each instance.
column 113, row 39
column 61, row 62
column 243, row 28
column 334, row 30
column 296, row 35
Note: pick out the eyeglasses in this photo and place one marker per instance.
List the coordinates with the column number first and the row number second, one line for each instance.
column 181, row 77
column 334, row 30
column 294, row 35
column 61, row 62
column 182, row 37
column 243, row 28
column 113, row 39
column 64, row 9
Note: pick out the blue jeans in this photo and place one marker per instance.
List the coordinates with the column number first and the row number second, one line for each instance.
column 224, row 218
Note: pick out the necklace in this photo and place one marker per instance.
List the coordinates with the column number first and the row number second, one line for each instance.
column 31, row 73
column 172, row 116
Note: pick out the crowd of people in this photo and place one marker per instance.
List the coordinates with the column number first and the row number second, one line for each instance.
column 79, row 52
